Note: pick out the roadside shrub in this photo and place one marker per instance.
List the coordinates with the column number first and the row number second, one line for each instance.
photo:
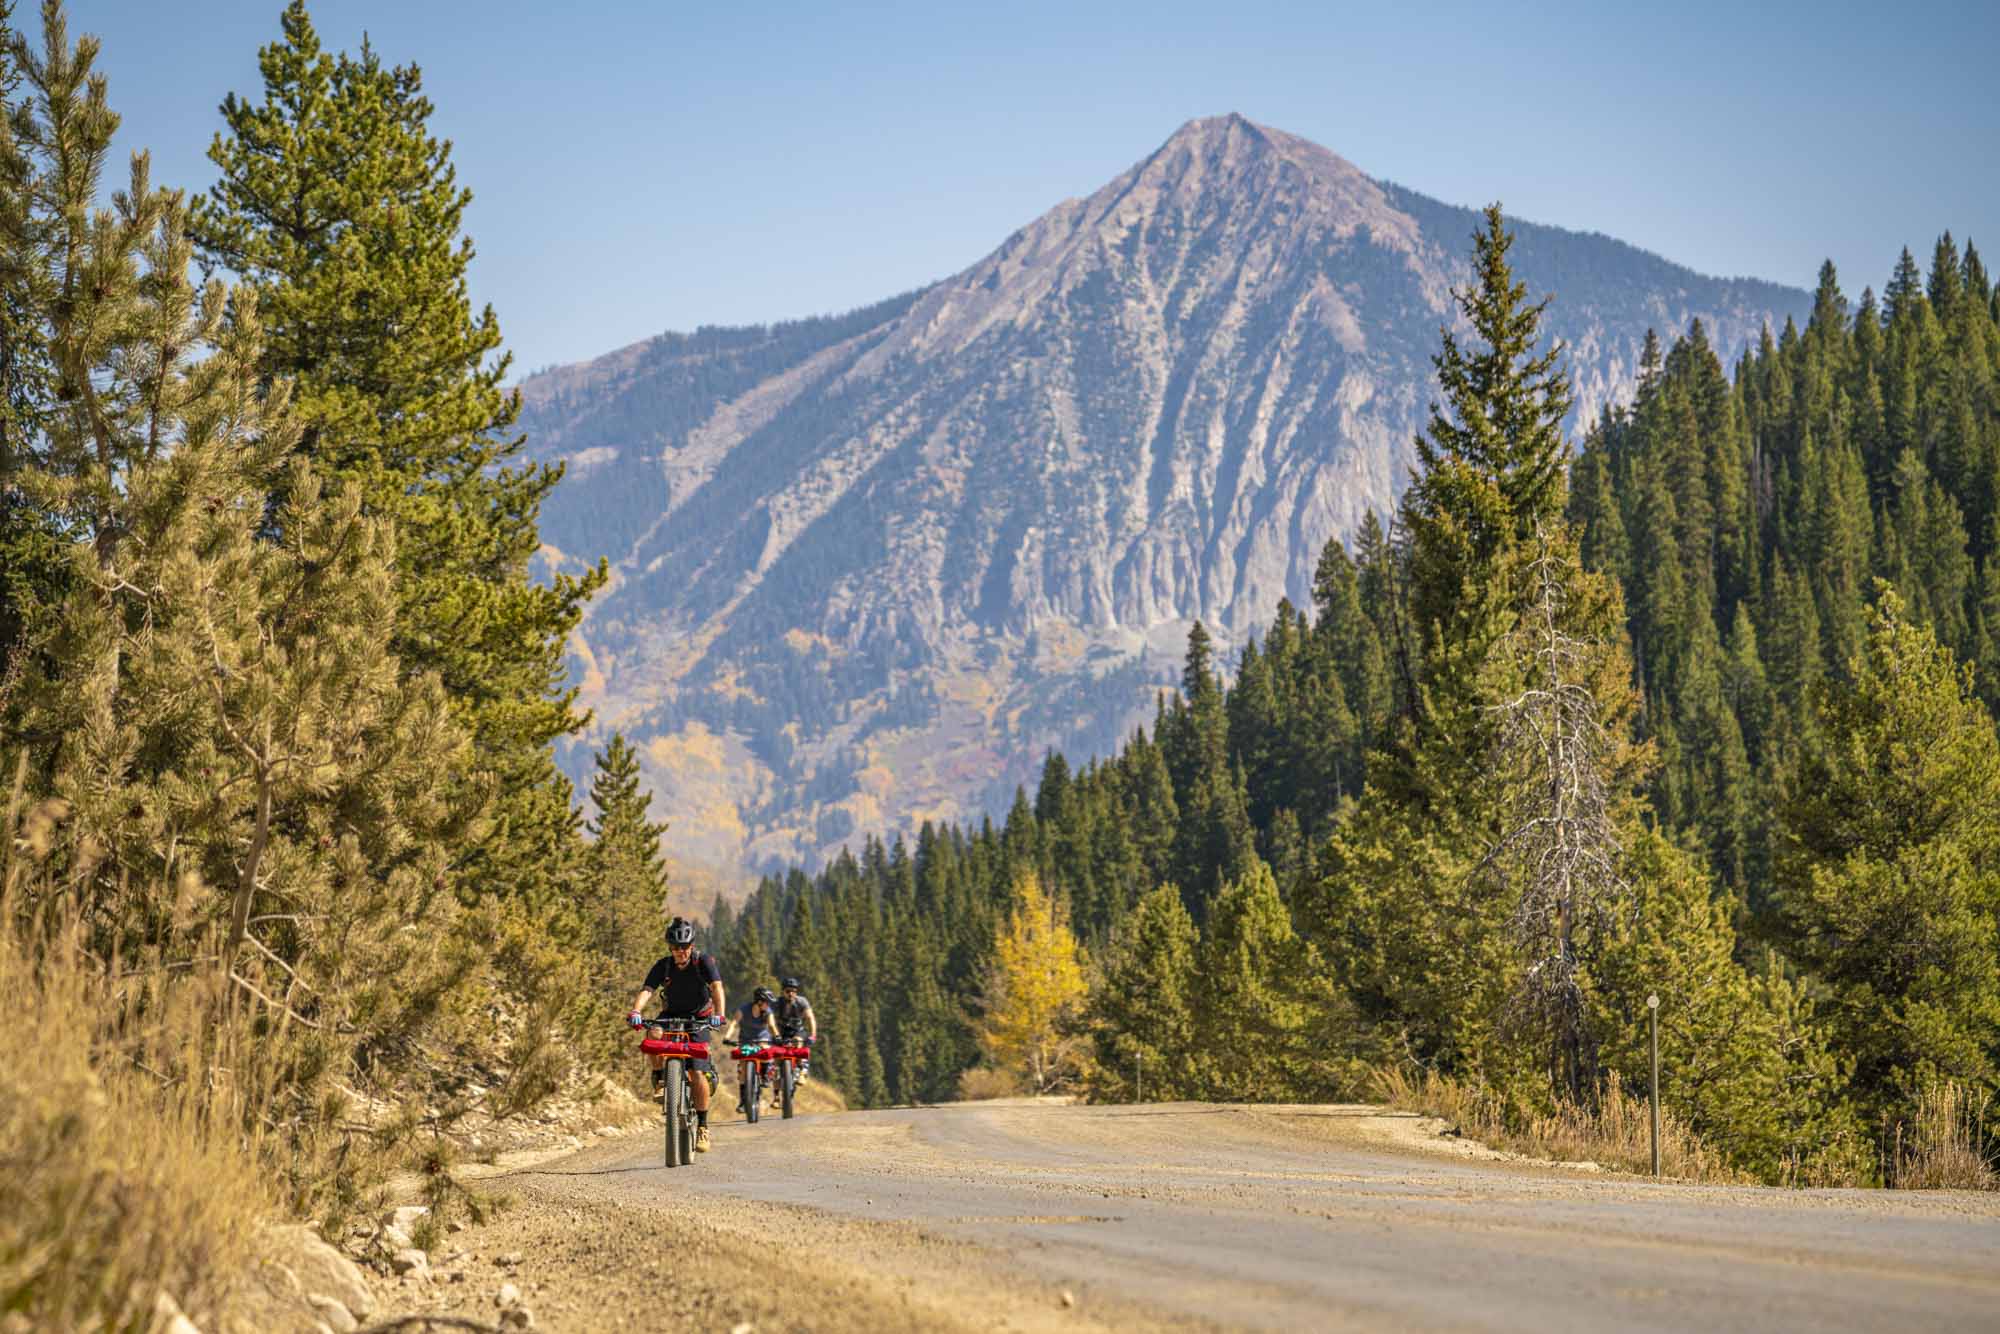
column 984, row 1082
column 1946, row 1147
column 125, row 1167
column 1615, row 1132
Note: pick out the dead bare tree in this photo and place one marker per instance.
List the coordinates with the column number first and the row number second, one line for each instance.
column 1560, row 844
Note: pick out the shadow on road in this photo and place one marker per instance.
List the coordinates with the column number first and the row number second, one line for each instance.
column 1327, row 1113
column 577, row 1172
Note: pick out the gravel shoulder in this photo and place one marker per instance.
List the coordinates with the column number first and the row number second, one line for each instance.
column 1033, row 1216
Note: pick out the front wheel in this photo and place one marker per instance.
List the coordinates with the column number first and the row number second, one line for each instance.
column 675, row 1113
column 751, row 1080
column 788, row 1083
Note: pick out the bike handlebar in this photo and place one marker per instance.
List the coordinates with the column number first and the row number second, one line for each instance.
column 683, row 1023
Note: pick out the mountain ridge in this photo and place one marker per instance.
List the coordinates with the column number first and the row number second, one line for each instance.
column 869, row 566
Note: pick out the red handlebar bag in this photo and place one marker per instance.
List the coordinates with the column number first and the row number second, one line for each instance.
column 789, row 1053
column 674, row 1047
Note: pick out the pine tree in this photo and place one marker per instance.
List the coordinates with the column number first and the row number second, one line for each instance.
column 1149, row 806
column 1595, row 512
column 1214, row 834
column 1905, row 290
column 256, row 790
column 1266, row 988
column 1491, row 467
column 1946, row 284
column 1143, row 1013
column 1978, row 286
column 1397, row 903
column 1725, row 793
column 805, row 944
column 627, row 868
column 1828, row 320
column 1285, row 848
column 1792, row 655
column 1889, row 870
column 745, row 958
column 931, row 1042
column 342, row 213
column 1741, row 1057
column 872, row 1084
column 32, row 565
column 1347, row 640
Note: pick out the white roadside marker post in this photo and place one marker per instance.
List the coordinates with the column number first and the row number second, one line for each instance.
column 1653, row 1018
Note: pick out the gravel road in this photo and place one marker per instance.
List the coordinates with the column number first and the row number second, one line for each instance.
column 1038, row 1216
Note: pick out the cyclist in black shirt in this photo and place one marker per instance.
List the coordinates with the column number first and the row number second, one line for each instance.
column 689, row 985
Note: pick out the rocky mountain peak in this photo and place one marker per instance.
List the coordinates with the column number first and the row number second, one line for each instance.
column 869, row 568
column 1234, row 147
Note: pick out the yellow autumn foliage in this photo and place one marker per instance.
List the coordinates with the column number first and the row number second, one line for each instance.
column 1034, row 993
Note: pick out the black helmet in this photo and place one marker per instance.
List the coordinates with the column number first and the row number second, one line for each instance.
column 764, row 994
column 790, row 984
column 680, row 931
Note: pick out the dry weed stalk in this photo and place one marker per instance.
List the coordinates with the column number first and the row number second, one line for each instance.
column 133, row 1121
column 1946, row 1148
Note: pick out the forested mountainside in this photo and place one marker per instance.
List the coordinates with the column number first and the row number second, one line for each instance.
column 1759, row 619
column 868, row 569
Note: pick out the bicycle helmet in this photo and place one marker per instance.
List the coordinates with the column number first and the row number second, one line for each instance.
column 790, row 984
column 680, row 931
column 764, row 994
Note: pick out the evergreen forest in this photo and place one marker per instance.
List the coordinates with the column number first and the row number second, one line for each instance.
column 1701, row 707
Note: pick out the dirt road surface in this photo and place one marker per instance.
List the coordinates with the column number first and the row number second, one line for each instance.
column 1038, row 1216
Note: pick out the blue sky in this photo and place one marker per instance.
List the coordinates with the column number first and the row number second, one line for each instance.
column 642, row 165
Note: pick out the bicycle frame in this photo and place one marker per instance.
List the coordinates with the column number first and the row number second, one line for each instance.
column 674, row 1040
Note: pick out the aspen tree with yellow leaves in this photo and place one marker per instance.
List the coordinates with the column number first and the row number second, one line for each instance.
column 1034, row 992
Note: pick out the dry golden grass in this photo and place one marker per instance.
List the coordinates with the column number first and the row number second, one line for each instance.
column 114, row 1182
column 982, row 1083
column 1614, row 1134
column 816, row 1095
column 1946, row 1147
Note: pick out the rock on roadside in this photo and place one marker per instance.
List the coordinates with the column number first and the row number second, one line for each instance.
column 407, row 1218
column 172, row 1321
column 333, row 1314
column 322, row 1270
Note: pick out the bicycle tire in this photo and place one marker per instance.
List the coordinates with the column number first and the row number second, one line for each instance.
column 675, row 1113
column 788, row 1085
column 753, row 1093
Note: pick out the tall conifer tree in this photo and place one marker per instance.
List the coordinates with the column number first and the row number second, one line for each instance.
column 628, row 893
column 343, row 213
column 1491, row 463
